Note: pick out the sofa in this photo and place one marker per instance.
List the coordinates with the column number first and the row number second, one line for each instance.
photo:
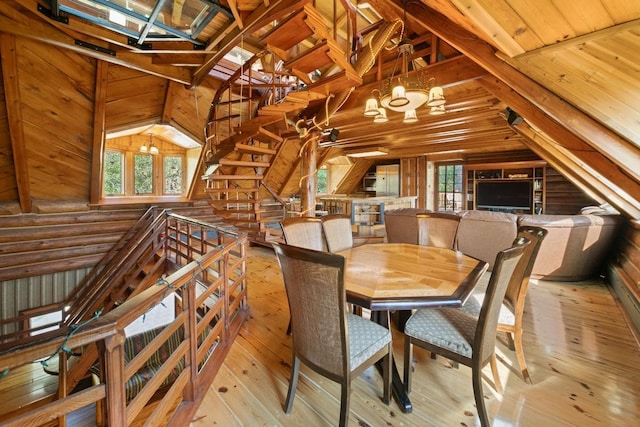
column 575, row 248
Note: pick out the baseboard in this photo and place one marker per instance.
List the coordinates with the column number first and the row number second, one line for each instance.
column 627, row 299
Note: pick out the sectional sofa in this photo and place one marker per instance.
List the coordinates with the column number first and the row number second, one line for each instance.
column 575, row 248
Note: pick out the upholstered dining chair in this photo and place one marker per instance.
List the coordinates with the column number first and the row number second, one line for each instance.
column 304, row 232
column 326, row 337
column 337, row 232
column 512, row 310
column 437, row 229
column 464, row 338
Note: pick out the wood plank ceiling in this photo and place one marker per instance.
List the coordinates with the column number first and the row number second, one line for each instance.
column 569, row 68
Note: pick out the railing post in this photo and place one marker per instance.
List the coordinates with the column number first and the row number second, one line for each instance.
column 191, row 334
column 115, row 380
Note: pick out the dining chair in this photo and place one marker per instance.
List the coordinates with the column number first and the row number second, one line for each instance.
column 512, row 310
column 437, row 229
column 326, row 337
column 337, row 232
column 462, row 337
column 304, row 232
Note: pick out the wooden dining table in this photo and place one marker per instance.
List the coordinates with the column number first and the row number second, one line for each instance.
column 399, row 276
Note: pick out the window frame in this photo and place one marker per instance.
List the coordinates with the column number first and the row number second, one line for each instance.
column 457, row 205
column 158, row 176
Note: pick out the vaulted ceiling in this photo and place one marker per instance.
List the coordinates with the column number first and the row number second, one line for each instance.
column 569, row 69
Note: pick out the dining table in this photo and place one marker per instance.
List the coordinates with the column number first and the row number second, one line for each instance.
column 386, row 277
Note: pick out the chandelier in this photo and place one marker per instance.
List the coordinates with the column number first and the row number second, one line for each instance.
column 151, row 149
column 404, row 93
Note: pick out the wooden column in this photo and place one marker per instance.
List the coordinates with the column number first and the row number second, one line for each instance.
column 308, row 168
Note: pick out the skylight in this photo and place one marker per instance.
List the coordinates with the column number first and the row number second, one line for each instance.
column 148, row 20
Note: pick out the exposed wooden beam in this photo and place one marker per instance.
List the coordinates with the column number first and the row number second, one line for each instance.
column 99, row 125
column 170, row 98
column 481, row 18
column 575, row 121
column 258, row 18
column 16, row 132
column 575, row 170
column 596, row 160
column 20, row 21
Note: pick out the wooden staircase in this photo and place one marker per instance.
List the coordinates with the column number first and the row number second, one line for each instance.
column 252, row 117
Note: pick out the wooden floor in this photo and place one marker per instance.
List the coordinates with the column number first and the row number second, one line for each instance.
column 583, row 359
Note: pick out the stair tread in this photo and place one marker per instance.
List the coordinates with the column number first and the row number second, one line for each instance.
column 297, row 27
column 335, row 83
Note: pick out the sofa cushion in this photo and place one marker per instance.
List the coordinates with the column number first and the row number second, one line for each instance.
column 576, row 246
column 482, row 234
column 401, row 225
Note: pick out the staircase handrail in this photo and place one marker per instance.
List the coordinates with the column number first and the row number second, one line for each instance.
column 108, row 332
column 122, row 257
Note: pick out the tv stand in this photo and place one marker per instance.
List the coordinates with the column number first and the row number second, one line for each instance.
column 522, row 184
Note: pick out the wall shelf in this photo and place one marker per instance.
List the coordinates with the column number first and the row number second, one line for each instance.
column 522, row 182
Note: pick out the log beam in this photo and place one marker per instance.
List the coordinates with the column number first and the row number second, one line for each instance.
column 16, row 131
column 99, row 133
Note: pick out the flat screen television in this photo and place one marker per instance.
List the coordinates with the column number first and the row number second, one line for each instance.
column 514, row 195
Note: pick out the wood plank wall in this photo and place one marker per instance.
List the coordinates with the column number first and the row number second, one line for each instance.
column 562, row 196
column 8, row 185
column 624, row 273
column 43, row 248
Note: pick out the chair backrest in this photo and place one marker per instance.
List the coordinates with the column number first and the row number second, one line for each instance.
column 314, row 282
column 519, row 283
column 304, row 232
column 337, row 232
column 437, row 229
column 504, row 267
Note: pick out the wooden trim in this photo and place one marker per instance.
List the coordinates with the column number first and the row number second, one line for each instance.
column 14, row 113
column 99, row 123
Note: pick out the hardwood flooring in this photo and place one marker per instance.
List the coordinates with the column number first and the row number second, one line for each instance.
column 582, row 356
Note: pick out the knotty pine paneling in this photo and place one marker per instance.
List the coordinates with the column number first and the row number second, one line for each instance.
column 352, row 180
column 594, row 73
column 191, row 107
column 133, row 97
column 8, row 185
column 56, row 89
column 562, row 197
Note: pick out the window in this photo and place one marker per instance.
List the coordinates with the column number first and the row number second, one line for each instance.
column 449, row 194
column 130, row 174
column 322, row 180
column 173, row 175
column 143, row 174
column 113, row 173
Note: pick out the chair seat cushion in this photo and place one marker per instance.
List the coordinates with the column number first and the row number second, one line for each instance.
column 474, row 303
column 448, row 328
column 365, row 339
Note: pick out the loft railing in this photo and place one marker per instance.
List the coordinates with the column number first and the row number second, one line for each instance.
column 209, row 289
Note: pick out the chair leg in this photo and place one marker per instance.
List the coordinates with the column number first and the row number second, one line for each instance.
column 479, row 397
column 510, row 342
column 293, row 383
column 496, row 374
column 386, row 375
column 408, row 357
column 344, row 403
column 520, row 356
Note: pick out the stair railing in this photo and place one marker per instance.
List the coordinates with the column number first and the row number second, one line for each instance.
column 207, row 329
